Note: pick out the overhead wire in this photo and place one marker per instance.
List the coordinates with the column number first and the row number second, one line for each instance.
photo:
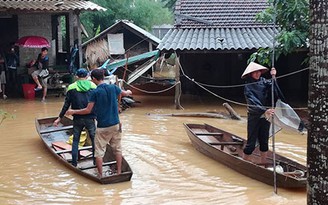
column 201, row 84
column 152, row 92
column 242, row 85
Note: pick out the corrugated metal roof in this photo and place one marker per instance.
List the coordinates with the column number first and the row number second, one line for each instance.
column 49, row 5
column 218, row 13
column 218, row 25
column 127, row 24
column 143, row 32
column 217, row 39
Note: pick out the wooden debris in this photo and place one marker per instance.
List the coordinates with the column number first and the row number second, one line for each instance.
column 201, row 114
column 232, row 112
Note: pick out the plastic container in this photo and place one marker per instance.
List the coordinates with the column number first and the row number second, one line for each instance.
column 28, row 90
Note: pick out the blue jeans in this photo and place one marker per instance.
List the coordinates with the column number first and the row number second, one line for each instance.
column 78, row 125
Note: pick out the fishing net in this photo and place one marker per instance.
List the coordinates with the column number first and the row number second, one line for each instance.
column 286, row 118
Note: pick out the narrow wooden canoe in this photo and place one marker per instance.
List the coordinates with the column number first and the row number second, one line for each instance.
column 227, row 149
column 55, row 139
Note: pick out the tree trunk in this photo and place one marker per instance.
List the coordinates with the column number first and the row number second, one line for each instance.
column 317, row 149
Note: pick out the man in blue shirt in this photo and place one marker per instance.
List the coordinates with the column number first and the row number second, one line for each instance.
column 104, row 100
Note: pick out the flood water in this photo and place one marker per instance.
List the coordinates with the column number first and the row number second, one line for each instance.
column 166, row 168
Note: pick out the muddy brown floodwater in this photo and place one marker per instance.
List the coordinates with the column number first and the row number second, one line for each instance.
column 166, row 168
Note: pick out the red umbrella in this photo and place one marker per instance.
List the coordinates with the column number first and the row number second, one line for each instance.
column 33, row 42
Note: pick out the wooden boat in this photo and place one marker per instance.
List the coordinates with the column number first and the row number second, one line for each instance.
column 227, row 149
column 55, row 139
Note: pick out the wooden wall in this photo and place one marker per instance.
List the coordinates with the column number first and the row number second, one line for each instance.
column 225, row 69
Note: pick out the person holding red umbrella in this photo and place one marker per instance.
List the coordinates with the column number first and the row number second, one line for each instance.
column 42, row 64
column 32, row 42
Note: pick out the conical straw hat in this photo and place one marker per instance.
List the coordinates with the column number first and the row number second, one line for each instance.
column 254, row 67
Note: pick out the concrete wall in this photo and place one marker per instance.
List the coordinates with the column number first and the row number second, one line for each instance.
column 38, row 25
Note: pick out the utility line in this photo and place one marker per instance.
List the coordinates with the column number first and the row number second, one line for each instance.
column 204, row 85
column 223, row 98
column 151, row 92
column 242, row 85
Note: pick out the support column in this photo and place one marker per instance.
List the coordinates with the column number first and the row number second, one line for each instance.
column 77, row 35
column 178, row 86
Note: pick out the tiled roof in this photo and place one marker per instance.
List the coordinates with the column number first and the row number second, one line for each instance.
column 48, row 5
column 218, row 13
column 218, row 25
column 217, row 39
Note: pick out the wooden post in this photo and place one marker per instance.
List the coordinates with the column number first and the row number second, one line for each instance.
column 178, row 86
column 77, row 35
column 71, row 30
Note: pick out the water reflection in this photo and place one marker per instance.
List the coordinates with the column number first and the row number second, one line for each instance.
column 167, row 169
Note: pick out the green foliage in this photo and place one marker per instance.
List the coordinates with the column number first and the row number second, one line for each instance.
column 292, row 17
column 62, row 23
column 4, row 115
column 147, row 13
column 98, row 30
column 144, row 13
column 116, row 9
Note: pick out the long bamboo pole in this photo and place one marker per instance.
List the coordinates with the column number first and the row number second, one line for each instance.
column 272, row 99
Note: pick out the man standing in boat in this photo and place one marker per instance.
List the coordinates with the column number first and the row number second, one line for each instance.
column 104, row 100
column 257, row 92
column 77, row 97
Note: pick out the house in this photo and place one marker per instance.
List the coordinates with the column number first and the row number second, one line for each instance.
column 56, row 20
column 215, row 38
column 130, row 52
column 44, row 18
column 122, row 39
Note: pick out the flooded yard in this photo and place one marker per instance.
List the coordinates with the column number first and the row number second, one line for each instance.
column 166, row 168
